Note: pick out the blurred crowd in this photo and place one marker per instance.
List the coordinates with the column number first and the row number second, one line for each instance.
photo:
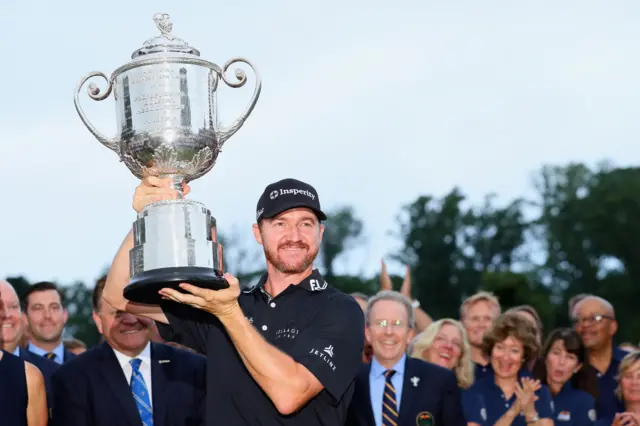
column 507, row 368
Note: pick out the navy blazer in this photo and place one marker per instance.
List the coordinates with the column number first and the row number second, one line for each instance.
column 46, row 367
column 92, row 390
column 436, row 394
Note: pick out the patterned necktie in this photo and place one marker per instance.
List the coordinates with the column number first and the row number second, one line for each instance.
column 141, row 394
column 389, row 404
column 50, row 356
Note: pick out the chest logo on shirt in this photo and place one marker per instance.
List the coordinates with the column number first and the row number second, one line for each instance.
column 287, row 333
column 483, row 413
column 564, row 416
column 324, row 355
column 592, row 415
column 425, row 418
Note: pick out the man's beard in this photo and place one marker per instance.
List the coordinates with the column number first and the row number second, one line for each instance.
column 290, row 268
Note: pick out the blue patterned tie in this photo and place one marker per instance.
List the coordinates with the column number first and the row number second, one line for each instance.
column 389, row 404
column 141, row 394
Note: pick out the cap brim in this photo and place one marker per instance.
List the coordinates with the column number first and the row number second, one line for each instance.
column 283, row 208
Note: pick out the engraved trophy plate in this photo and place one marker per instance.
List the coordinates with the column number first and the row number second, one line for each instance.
column 167, row 126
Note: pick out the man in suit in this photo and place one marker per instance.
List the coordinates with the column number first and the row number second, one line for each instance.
column 128, row 380
column 47, row 316
column 393, row 389
column 12, row 328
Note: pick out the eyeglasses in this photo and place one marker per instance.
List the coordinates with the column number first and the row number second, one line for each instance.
column 394, row 324
column 593, row 319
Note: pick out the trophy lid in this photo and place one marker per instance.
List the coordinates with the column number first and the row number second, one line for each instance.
column 165, row 42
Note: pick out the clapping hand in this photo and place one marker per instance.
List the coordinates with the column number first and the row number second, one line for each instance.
column 626, row 419
column 526, row 395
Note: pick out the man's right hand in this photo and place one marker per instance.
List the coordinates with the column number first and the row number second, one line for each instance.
column 153, row 189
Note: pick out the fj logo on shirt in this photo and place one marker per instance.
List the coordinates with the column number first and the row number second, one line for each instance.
column 315, row 285
column 324, row 357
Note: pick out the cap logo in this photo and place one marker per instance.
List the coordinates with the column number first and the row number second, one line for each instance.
column 293, row 192
column 259, row 212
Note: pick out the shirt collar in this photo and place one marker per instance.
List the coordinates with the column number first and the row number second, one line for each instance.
column 314, row 282
column 17, row 351
column 618, row 354
column 144, row 356
column 58, row 350
column 378, row 370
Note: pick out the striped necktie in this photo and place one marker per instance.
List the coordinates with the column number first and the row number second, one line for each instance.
column 141, row 394
column 389, row 404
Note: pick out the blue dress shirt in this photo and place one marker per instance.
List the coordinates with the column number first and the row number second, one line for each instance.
column 377, row 383
column 59, row 351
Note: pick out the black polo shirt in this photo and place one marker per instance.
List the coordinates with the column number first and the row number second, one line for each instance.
column 317, row 325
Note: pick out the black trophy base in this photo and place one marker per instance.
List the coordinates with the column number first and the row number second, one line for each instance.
column 144, row 287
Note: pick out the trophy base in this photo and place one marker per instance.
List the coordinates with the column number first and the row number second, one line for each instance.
column 144, row 287
column 174, row 241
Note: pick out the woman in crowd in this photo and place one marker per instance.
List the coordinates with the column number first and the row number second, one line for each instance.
column 530, row 313
column 23, row 400
column 509, row 395
column 445, row 343
column 628, row 391
column 572, row 382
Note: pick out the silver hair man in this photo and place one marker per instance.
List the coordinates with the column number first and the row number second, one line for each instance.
column 394, row 296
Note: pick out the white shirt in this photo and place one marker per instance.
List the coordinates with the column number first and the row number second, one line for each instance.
column 145, row 367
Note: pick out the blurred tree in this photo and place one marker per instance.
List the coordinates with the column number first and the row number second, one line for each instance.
column 429, row 230
column 20, row 284
column 342, row 232
column 449, row 248
column 589, row 224
column 80, row 323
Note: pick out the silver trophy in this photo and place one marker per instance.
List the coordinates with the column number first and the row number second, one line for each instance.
column 167, row 117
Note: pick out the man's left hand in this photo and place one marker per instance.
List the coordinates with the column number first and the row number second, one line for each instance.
column 217, row 302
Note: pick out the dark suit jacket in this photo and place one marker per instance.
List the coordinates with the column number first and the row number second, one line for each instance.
column 68, row 356
column 437, row 394
column 46, row 367
column 92, row 390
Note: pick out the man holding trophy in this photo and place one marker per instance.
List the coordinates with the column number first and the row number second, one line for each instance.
column 286, row 351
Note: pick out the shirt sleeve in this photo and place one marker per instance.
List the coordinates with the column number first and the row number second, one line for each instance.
column 188, row 326
column 331, row 347
column 544, row 406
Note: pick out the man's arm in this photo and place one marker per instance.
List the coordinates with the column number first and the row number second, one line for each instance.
column 37, row 413
column 117, row 280
column 288, row 384
column 291, row 381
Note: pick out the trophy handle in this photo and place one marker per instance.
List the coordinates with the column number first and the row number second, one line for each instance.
column 94, row 93
column 240, row 75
